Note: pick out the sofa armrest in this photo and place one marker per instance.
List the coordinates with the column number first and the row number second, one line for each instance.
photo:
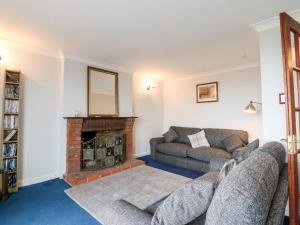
column 216, row 164
column 153, row 143
column 124, row 213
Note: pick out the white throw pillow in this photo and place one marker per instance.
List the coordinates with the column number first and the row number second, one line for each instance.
column 198, row 140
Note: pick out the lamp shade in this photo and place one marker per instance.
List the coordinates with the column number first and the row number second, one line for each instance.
column 250, row 108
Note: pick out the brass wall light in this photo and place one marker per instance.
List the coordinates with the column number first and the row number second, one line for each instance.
column 250, row 108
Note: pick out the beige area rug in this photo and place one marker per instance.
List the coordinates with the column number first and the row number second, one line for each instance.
column 141, row 186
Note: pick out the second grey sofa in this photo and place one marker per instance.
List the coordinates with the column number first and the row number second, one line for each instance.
column 255, row 192
column 180, row 153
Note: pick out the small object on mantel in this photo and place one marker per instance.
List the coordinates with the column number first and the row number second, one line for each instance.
column 76, row 114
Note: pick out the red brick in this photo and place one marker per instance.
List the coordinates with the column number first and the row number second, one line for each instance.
column 92, row 177
column 73, row 142
column 136, row 162
column 74, row 146
column 74, row 125
column 115, row 170
column 104, row 173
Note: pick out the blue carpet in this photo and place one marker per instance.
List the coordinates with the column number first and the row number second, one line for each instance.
column 169, row 168
column 43, row 204
column 47, row 204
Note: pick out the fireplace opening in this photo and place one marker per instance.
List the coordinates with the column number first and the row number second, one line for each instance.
column 102, row 149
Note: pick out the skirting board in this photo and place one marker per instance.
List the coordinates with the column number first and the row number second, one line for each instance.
column 140, row 154
column 35, row 180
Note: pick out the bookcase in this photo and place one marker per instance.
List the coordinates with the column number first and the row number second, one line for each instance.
column 10, row 127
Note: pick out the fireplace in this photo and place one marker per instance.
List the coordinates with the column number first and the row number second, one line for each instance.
column 102, row 150
column 98, row 146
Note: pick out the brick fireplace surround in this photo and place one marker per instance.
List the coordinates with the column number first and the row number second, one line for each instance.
column 75, row 126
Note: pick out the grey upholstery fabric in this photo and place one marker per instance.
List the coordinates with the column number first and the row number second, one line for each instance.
column 152, row 208
column 207, row 153
column 174, row 149
column 124, row 213
column 170, row 135
column 190, row 201
column 216, row 136
column 277, row 210
column 154, row 142
column 226, row 169
column 216, row 164
column 244, row 153
column 183, row 133
column 199, row 220
column 245, row 195
column 277, row 151
column 187, row 162
column 232, row 142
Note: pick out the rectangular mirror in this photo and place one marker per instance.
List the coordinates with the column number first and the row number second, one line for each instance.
column 102, row 92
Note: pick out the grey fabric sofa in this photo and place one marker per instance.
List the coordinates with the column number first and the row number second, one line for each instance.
column 180, row 153
column 255, row 192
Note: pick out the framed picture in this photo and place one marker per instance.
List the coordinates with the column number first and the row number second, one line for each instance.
column 281, row 98
column 207, row 92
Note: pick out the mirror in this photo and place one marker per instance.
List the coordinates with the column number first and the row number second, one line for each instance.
column 102, row 92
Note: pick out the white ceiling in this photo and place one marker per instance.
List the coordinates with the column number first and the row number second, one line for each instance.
column 168, row 37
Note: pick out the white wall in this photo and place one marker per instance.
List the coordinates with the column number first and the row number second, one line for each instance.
column 51, row 88
column 272, row 84
column 148, row 106
column 74, row 98
column 236, row 89
column 40, row 113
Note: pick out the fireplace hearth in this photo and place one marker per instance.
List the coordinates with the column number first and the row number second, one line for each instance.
column 98, row 146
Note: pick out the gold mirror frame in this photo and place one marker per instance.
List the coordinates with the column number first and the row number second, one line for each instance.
column 89, row 69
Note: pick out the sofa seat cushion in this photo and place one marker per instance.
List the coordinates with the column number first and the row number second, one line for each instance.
column 175, row 149
column 206, row 153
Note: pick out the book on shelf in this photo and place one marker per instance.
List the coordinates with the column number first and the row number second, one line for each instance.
column 11, row 106
column 10, row 122
column 9, row 150
column 12, row 180
column 11, row 91
column 12, row 77
column 10, row 135
column 10, row 165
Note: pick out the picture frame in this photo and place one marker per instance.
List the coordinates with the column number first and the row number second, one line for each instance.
column 207, row 92
column 281, row 98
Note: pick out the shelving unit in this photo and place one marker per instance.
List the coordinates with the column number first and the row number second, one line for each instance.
column 10, row 128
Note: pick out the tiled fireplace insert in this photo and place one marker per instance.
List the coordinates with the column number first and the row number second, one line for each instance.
column 97, row 147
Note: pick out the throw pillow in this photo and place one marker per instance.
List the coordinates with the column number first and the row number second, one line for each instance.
column 232, row 142
column 226, row 169
column 170, row 135
column 243, row 153
column 198, row 140
column 185, row 204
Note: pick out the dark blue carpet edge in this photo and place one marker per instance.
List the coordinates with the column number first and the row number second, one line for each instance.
column 47, row 204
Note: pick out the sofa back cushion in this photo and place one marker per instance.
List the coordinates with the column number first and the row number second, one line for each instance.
column 245, row 195
column 187, row 202
column 276, row 150
column 183, row 133
column 215, row 136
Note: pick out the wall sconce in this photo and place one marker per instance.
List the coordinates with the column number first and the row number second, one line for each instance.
column 250, row 108
column 149, row 85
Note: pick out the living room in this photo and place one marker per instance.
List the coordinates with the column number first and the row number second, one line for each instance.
column 190, row 92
